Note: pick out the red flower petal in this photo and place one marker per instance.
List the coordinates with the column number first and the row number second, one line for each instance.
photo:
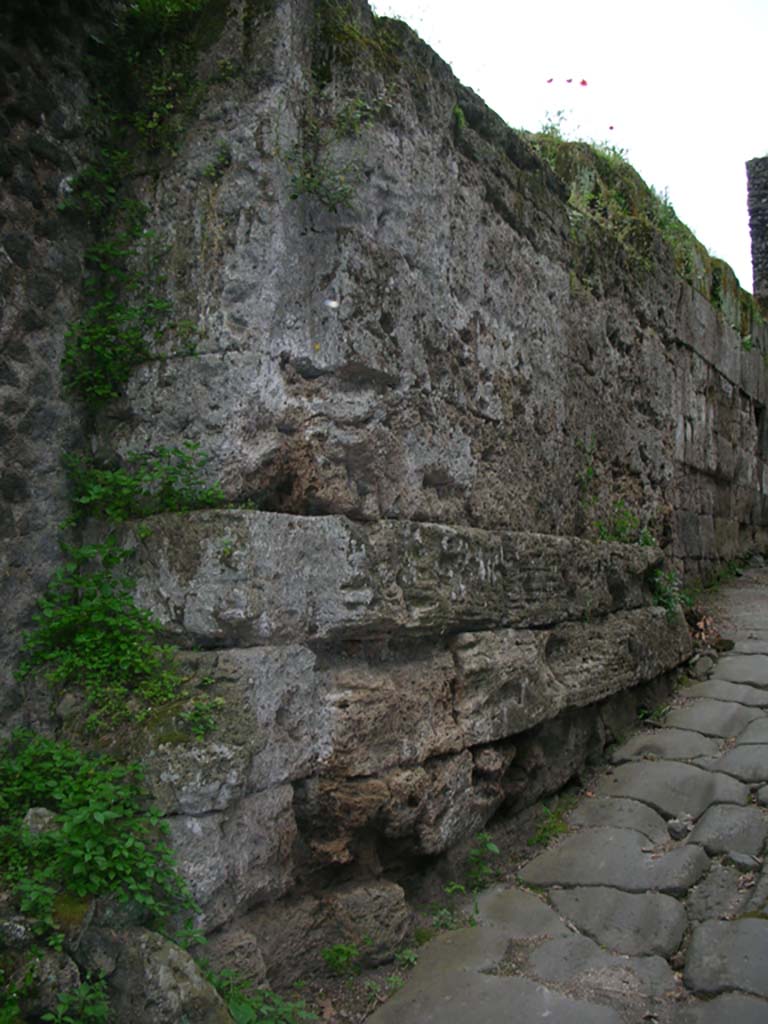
column 583, row 81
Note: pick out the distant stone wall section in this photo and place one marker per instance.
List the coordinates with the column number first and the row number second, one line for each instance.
column 44, row 141
column 757, row 187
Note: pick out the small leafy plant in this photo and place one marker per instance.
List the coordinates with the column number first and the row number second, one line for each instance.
column 668, row 591
column 653, row 714
column 480, row 873
column 248, row 1005
column 87, row 1004
column 407, row 957
column 342, row 959
column 90, row 634
column 201, row 716
column 624, row 527
column 122, row 320
column 102, row 841
column 223, row 159
column 551, row 821
column 166, row 480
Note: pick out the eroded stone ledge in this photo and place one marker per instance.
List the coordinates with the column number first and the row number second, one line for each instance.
column 239, row 578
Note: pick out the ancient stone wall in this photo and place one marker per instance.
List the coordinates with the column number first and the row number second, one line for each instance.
column 426, row 333
column 427, row 387
column 44, row 139
column 757, row 187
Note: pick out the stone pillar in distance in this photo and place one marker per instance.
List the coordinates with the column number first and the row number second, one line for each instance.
column 757, row 191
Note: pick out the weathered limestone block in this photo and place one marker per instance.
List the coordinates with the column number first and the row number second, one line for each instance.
column 232, row 861
column 150, row 979
column 426, row 808
column 52, row 974
column 235, row 949
column 235, row 578
column 384, row 715
column 373, row 916
column 273, row 727
column 510, row 680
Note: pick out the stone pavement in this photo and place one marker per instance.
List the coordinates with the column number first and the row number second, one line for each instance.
column 654, row 906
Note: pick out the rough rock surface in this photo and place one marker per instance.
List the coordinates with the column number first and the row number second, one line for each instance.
column 151, row 979
column 411, row 624
column 623, row 925
column 44, row 139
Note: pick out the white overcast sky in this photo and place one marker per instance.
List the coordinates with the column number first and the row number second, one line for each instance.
column 682, row 82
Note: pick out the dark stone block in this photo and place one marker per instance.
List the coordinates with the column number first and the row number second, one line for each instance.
column 18, row 247
column 54, row 154
column 14, row 488
column 41, row 289
column 25, row 186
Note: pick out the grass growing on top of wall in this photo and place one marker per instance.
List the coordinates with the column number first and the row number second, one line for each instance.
column 605, row 187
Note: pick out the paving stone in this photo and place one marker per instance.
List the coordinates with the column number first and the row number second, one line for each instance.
column 750, row 647
column 643, row 924
column 744, row 668
column 709, row 764
column 717, row 895
column 743, row 861
column 748, row 763
column 520, row 914
column 702, row 666
column 712, row 718
column 725, row 827
column 726, row 955
column 461, row 998
column 735, row 693
column 666, row 744
column 619, row 813
column 733, row 1007
column 465, row 949
column 757, row 897
column 671, row 787
column 616, row 857
column 762, row 796
column 560, row 961
column 755, row 732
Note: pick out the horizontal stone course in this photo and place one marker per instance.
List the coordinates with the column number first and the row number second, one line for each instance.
column 233, row 577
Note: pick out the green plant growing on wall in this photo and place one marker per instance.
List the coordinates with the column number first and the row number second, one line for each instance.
column 223, row 159
column 332, row 186
column 166, row 480
column 668, row 591
column 588, row 474
column 87, row 1004
column 459, row 120
column 314, row 171
column 102, row 841
column 341, row 39
column 624, row 527
column 342, row 959
column 90, row 635
column 200, row 717
column 123, row 320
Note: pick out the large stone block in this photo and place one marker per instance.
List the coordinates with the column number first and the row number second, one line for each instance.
column 235, row 578
column 150, row 979
column 510, row 680
column 233, row 861
column 371, row 915
column 385, row 714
